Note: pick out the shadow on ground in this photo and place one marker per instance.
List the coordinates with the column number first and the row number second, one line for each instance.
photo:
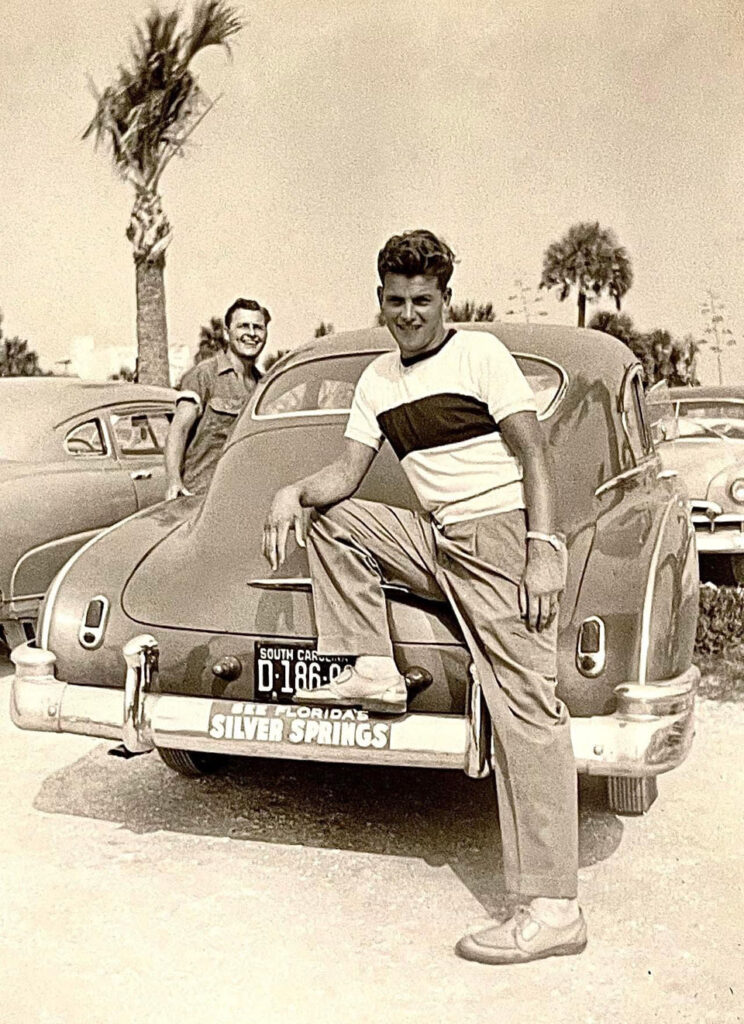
column 439, row 816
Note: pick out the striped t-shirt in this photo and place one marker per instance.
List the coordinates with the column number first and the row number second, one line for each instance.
column 439, row 411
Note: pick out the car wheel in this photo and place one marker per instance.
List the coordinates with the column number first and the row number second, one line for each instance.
column 190, row 763
column 630, row 796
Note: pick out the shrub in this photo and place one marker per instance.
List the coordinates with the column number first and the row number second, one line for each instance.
column 721, row 619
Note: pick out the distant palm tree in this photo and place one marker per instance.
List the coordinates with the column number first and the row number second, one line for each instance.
column 464, row 312
column 145, row 117
column 16, row 358
column 588, row 258
column 211, row 339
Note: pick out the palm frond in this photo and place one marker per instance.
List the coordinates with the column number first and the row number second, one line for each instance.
column 149, row 111
column 213, row 24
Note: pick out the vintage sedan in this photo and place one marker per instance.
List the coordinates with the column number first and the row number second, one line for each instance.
column 170, row 631
column 700, row 435
column 75, row 457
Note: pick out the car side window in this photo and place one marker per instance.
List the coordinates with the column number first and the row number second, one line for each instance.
column 86, row 439
column 635, row 418
column 141, row 432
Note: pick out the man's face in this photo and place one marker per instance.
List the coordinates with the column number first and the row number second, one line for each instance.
column 246, row 335
column 413, row 311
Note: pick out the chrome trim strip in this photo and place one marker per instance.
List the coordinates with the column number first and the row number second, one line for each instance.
column 46, row 621
column 304, row 583
column 302, row 413
column 35, row 550
column 648, row 599
column 627, row 474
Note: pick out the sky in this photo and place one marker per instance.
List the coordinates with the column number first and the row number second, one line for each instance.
column 496, row 124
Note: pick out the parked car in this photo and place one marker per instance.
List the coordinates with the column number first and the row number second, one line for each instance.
column 75, row 457
column 171, row 632
column 700, row 435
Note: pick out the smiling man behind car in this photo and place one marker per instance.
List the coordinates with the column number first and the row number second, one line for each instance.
column 212, row 394
column 461, row 418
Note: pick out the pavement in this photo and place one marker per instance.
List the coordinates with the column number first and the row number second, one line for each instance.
column 308, row 893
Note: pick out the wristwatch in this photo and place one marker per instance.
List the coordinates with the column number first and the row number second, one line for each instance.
column 553, row 539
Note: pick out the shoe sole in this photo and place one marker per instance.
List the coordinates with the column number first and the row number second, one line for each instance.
column 467, row 952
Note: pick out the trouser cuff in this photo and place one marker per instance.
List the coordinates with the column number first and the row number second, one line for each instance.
column 353, row 646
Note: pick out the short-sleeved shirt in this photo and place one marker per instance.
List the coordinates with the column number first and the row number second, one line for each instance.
column 440, row 412
column 220, row 393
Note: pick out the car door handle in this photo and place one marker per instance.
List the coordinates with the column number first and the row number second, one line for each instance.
column 141, row 474
column 666, row 474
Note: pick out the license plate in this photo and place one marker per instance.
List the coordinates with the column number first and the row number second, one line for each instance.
column 281, row 669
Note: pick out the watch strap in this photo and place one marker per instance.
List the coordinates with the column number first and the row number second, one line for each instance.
column 550, row 538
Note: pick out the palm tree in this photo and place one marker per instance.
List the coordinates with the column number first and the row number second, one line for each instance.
column 588, row 258
column 211, row 339
column 16, row 358
column 463, row 312
column 145, row 118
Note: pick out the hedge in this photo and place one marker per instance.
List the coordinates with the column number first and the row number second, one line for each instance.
column 721, row 619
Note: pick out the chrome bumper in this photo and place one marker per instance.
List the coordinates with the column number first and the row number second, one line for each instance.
column 649, row 733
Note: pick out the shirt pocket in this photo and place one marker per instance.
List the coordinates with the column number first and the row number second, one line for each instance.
column 221, row 417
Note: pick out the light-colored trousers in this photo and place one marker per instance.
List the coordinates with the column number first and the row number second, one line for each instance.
column 476, row 566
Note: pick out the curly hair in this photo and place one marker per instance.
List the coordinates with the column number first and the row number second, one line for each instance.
column 247, row 304
column 414, row 253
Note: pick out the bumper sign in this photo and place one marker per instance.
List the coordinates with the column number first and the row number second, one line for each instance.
column 283, row 723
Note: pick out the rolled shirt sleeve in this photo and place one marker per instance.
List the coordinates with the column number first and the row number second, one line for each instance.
column 194, row 387
column 362, row 424
column 501, row 382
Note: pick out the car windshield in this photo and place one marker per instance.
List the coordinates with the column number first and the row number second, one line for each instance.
column 327, row 385
column 712, row 409
column 700, row 427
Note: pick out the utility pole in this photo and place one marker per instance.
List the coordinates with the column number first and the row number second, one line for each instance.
column 522, row 300
column 718, row 335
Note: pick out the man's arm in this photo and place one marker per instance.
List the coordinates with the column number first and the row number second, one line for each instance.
column 183, row 420
column 545, row 573
column 329, row 485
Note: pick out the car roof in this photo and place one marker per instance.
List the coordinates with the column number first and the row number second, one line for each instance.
column 577, row 349
column 32, row 408
column 693, row 394
column 54, row 400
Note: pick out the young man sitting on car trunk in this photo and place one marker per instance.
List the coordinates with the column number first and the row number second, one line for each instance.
column 461, row 418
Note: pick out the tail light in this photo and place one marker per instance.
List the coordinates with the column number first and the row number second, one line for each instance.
column 590, row 647
column 93, row 625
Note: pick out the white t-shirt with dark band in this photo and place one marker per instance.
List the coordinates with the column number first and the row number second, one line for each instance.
column 440, row 412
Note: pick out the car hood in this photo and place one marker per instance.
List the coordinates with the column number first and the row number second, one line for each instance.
column 698, row 462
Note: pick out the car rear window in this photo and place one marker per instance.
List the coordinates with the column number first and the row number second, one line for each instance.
column 327, row 385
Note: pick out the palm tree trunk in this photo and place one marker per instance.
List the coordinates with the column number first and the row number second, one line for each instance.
column 152, row 327
column 149, row 232
column 582, row 308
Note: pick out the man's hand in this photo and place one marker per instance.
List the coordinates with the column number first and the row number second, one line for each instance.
column 543, row 582
column 175, row 490
column 286, row 513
